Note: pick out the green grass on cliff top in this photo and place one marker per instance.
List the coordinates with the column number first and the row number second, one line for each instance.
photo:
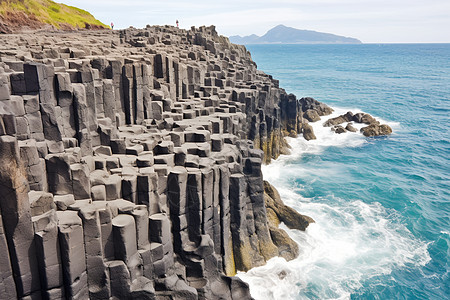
column 50, row 12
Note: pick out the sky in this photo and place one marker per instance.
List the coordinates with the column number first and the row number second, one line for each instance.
column 371, row 21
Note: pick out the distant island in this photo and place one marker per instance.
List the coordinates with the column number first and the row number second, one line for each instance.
column 287, row 35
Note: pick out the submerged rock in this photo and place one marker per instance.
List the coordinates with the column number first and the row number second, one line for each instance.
column 282, row 274
column 376, row 130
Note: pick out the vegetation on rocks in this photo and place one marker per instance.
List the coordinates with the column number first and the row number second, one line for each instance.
column 35, row 14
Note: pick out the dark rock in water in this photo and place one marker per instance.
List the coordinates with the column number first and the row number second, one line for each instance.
column 376, row 130
column 334, row 121
column 288, row 248
column 284, row 213
column 364, row 118
column 239, row 289
column 348, row 116
column 278, row 212
column 282, row 274
column 308, row 132
column 310, row 103
column 350, row 127
column 358, row 117
column 311, row 115
column 339, row 129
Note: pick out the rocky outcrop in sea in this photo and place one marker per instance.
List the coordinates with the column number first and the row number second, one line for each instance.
column 130, row 165
column 313, row 110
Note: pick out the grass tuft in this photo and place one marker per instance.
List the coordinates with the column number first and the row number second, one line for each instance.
column 50, row 12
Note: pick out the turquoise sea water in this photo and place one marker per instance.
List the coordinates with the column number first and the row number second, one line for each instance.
column 381, row 205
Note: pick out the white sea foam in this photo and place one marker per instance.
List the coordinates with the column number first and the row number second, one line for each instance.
column 325, row 138
column 350, row 242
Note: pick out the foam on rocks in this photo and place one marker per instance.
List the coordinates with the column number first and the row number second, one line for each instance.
column 130, row 164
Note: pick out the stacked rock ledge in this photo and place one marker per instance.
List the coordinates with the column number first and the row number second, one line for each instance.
column 130, row 165
column 278, row 212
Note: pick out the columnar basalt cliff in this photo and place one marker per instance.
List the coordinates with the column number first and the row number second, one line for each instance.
column 130, row 165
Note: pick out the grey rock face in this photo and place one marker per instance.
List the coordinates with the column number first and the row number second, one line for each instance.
column 308, row 132
column 310, row 103
column 130, row 164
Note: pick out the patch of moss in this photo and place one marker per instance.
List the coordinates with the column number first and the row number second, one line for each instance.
column 242, row 257
column 229, row 265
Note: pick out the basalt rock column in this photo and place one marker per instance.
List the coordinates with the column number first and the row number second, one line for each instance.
column 140, row 156
column 16, row 216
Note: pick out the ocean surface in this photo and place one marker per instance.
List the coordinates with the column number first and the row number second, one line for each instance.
column 381, row 205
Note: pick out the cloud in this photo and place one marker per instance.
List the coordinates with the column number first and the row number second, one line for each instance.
column 369, row 20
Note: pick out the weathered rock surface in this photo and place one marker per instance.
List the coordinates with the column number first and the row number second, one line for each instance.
column 376, row 130
column 364, row 118
column 313, row 109
column 339, row 120
column 284, row 213
column 350, row 127
column 335, row 121
column 308, row 132
column 130, row 165
column 338, row 129
column 278, row 212
column 310, row 103
column 311, row 115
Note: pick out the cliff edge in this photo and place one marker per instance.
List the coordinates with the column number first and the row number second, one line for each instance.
column 131, row 165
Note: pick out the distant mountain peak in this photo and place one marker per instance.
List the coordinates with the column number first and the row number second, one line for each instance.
column 282, row 34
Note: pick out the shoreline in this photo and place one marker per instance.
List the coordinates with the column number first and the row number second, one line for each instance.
column 158, row 133
column 281, row 279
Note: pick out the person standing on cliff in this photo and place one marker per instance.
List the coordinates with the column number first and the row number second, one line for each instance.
column 112, row 25
column 177, row 24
